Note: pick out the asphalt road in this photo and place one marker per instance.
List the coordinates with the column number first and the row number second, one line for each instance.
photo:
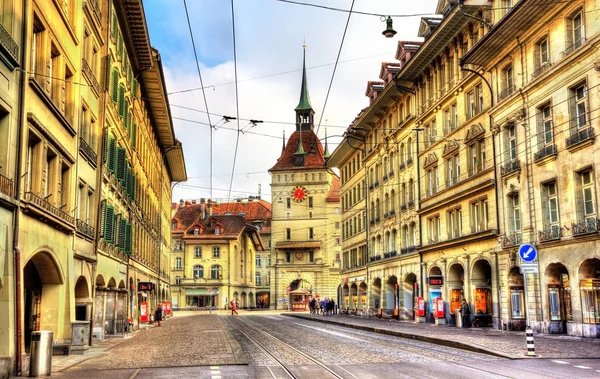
column 349, row 353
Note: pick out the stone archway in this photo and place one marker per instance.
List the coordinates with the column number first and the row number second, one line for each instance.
column 481, row 282
column 376, row 293
column 42, row 275
column 455, row 281
column 82, row 299
column 558, row 284
column 589, row 284
column 409, row 293
column 391, row 288
column 362, row 295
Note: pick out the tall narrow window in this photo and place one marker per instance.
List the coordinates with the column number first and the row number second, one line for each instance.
column 580, row 93
column 550, row 211
column 546, row 115
column 512, row 142
column 288, row 233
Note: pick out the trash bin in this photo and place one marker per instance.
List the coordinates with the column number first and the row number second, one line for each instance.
column 458, row 316
column 41, row 353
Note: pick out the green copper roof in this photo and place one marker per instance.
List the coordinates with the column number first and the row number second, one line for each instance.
column 300, row 149
column 304, row 104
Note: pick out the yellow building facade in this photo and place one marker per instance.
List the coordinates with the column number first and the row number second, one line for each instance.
column 305, row 234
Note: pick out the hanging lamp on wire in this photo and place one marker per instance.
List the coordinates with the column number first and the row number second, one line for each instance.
column 389, row 31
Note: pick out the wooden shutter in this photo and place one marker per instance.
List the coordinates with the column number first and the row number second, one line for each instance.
column 122, row 103
column 115, row 28
column 134, row 135
column 128, row 239
column 122, row 223
column 109, row 213
column 112, row 154
column 121, row 164
column 115, row 86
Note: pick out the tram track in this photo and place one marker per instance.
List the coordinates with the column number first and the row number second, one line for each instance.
column 271, row 345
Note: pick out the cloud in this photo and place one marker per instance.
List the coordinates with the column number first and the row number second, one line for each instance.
column 269, row 39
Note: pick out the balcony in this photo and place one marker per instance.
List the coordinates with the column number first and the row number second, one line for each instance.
column 546, row 151
column 587, row 226
column 390, row 254
column 385, row 178
column 408, row 250
column 511, row 240
column 403, row 207
column 8, row 45
column 506, row 93
column 371, row 187
column 512, row 166
column 543, row 68
column 402, row 166
column 6, row 186
column 89, row 75
column 409, row 161
column 579, row 137
column 553, row 233
column 376, row 184
column 411, row 203
column 87, row 151
column 392, row 213
column 377, row 220
column 575, row 46
column 43, row 208
column 85, row 229
column 391, row 175
column 375, row 258
column 115, row 251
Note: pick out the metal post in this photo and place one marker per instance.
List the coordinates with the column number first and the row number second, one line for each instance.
column 528, row 332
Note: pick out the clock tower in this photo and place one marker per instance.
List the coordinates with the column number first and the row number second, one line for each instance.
column 306, row 216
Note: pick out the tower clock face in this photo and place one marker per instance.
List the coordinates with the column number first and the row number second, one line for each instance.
column 299, row 194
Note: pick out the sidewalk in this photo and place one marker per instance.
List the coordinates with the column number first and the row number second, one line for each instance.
column 509, row 345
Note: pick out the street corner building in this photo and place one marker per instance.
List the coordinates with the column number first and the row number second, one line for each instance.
column 478, row 139
column 85, row 173
column 215, row 254
column 306, row 215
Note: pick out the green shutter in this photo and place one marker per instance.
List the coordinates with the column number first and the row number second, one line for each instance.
column 121, row 163
column 134, row 135
column 122, row 103
column 126, row 118
column 120, row 46
column 107, row 71
column 134, row 89
column 112, row 154
column 128, row 239
column 109, row 214
column 122, row 241
column 115, row 27
column 115, row 86
column 133, row 183
column 106, row 150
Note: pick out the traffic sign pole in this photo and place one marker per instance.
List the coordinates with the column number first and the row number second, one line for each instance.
column 528, row 254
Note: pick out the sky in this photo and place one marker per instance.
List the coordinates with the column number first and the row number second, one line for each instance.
column 269, row 39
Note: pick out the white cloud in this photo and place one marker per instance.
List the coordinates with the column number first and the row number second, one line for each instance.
column 269, row 38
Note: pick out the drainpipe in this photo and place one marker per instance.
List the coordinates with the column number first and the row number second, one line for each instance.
column 17, row 194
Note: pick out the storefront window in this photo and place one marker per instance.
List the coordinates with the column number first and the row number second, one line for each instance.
column 554, row 303
column 590, row 301
column 455, row 299
column 483, row 301
column 517, row 303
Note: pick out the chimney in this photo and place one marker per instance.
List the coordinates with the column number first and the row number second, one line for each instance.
column 209, row 207
column 181, row 203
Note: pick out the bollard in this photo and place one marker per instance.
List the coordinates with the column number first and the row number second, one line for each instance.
column 530, row 342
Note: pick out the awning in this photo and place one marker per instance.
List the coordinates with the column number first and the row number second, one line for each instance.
column 298, row 244
column 200, row 291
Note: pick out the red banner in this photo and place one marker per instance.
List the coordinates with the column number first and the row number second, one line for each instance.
column 439, row 307
column 144, row 312
column 168, row 308
column 420, row 307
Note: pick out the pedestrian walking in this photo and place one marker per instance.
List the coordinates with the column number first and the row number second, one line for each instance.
column 331, row 307
column 465, row 312
column 158, row 315
column 233, row 308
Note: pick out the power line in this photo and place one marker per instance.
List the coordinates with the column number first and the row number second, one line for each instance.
column 335, row 67
column 201, row 84
column 237, row 101
column 350, row 11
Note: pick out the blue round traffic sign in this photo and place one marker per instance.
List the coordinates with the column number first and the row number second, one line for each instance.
column 527, row 252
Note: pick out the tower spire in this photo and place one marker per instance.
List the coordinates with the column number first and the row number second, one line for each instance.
column 304, row 103
column 300, row 149
column 283, row 146
column 327, row 155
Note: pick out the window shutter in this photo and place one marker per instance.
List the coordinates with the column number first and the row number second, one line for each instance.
column 120, row 46
column 128, row 239
column 109, row 213
column 133, row 182
column 112, row 154
column 121, row 164
column 134, row 135
column 106, row 150
column 122, row 240
column 107, row 71
column 134, row 89
column 115, row 86
column 121, row 100
column 115, row 27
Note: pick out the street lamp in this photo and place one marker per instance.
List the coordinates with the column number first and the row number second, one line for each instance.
column 389, row 31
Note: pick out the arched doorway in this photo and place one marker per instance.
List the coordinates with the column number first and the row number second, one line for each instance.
column 409, row 290
column 481, row 282
column 82, row 299
column 243, row 300
column 391, row 294
column 589, row 284
column 518, row 314
column 362, row 295
column 376, row 293
column 41, row 275
column 251, row 300
column 455, row 281
column 559, row 298
column 354, row 296
column 346, row 296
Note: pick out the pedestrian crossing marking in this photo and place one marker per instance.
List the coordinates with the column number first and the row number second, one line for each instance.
column 561, row 362
column 584, row 367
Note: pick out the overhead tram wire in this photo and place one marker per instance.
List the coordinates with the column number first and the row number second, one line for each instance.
column 237, row 101
column 335, row 67
column 187, row 15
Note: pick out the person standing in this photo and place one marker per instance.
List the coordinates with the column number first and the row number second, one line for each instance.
column 233, row 308
column 158, row 315
column 465, row 312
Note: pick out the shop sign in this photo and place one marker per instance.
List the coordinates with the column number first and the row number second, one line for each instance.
column 420, row 307
column 435, row 280
column 145, row 286
column 352, row 280
column 529, row 268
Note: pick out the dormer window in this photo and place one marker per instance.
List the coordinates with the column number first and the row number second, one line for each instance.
column 174, row 225
column 217, row 230
column 196, row 232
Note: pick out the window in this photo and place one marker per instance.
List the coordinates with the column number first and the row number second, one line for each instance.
column 517, row 303
column 288, row 257
column 434, row 226
column 198, row 272
column 452, row 170
column 475, row 101
column 545, row 116
column 174, row 225
column 586, row 208
column 507, row 82
column 196, row 231
column 178, row 280
column 590, row 301
column 450, row 119
column 179, row 245
column 288, row 202
column 215, row 272
column 511, row 146
column 216, row 251
column 178, row 263
column 515, row 214
column 336, row 211
column 476, row 157
column 550, row 209
column 258, row 261
column 311, row 256
column 269, row 244
column 454, row 223
column 310, row 201
column 542, row 54
column 579, row 95
column 575, row 32
column 197, row 252
column 337, row 224
column 479, row 216
column 432, row 181
column 311, row 233
column 218, row 230
column 257, row 277
column 288, row 233
column 269, row 261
